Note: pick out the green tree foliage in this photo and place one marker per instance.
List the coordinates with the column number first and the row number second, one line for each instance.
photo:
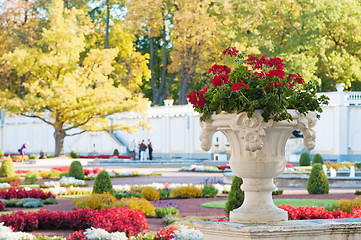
column 76, row 170
column 70, row 87
column 305, row 159
column 318, row 39
column 103, row 183
column 7, row 168
column 235, row 196
column 317, row 158
column 317, row 182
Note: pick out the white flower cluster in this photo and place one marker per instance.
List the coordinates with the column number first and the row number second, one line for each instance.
column 4, row 185
column 101, row 234
column 7, row 234
column 52, row 184
column 57, row 190
column 126, row 187
column 71, row 180
column 185, row 233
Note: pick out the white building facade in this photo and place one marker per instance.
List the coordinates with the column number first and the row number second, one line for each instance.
column 175, row 133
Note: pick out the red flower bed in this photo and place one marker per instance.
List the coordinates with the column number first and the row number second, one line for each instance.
column 22, row 193
column 2, row 206
column 165, row 234
column 304, row 213
column 93, row 171
column 22, row 171
column 61, row 169
column 224, row 167
column 125, row 220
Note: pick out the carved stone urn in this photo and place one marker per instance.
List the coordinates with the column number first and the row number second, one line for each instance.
column 257, row 156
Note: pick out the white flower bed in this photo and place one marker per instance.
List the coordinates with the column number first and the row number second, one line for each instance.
column 200, row 168
column 4, row 185
column 185, row 233
column 57, row 190
column 6, row 234
column 52, row 184
column 101, row 234
column 71, row 180
column 126, row 187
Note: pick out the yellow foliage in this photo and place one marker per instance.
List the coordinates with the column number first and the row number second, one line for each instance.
column 150, row 193
column 136, row 203
column 347, row 205
column 95, row 201
column 189, row 191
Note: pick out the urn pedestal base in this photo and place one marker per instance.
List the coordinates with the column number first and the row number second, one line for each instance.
column 321, row 229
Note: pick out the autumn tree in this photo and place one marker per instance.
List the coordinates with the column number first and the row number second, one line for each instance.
column 67, row 90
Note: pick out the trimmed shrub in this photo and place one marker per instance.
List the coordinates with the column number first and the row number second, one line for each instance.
column 317, row 158
column 305, row 159
column 235, row 196
column 76, row 170
column 7, row 168
column 95, row 201
column 162, row 212
column 73, row 154
column 189, row 191
column 103, row 183
column 150, row 193
column 32, row 177
column 209, row 191
column 116, row 152
column 1, row 154
column 317, row 182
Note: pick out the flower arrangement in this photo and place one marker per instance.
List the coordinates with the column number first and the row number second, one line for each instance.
column 256, row 84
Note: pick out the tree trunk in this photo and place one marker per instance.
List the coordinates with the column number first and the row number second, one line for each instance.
column 59, row 136
column 107, row 27
column 183, row 88
column 22, row 89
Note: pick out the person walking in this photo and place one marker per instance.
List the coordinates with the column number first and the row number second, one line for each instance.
column 132, row 149
column 142, row 148
column 22, row 150
column 150, row 149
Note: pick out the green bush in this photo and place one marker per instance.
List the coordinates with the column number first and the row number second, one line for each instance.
column 1, row 154
column 235, row 196
column 33, row 157
column 103, row 183
column 31, row 179
column 162, row 212
column 119, row 195
column 95, row 201
column 7, row 168
column 76, row 170
column 209, row 191
column 317, row 182
column 164, row 193
column 116, row 152
column 50, row 201
column 305, row 159
column 73, row 154
column 317, row 158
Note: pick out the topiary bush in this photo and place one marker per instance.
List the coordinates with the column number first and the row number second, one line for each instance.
column 305, row 159
column 317, row 158
column 76, row 170
column 7, row 168
column 317, row 182
column 1, row 154
column 150, row 193
column 235, row 196
column 73, row 154
column 103, row 183
column 116, row 152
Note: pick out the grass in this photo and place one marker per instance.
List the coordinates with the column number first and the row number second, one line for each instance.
column 72, row 196
column 294, row 202
column 25, row 210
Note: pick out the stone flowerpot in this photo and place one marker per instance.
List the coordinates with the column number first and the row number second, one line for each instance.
column 257, row 156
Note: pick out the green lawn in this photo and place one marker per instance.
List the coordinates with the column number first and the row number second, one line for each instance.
column 25, row 210
column 294, row 202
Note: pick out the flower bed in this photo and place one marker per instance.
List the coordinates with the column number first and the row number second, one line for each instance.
column 24, row 193
column 125, row 220
column 104, row 156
